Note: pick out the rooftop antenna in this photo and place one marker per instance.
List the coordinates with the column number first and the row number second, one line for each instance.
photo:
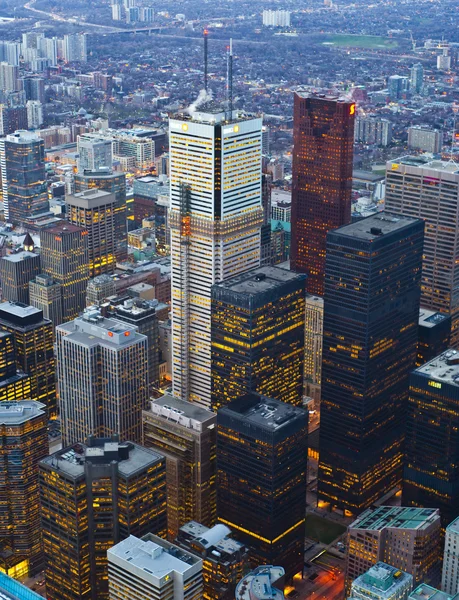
column 229, row 81
column 206, row 34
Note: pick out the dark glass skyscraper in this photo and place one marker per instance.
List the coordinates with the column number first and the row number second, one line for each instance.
column 323, row 138
column 431, row 476
column 22, row 164
column 258, row 336
column 433, row 335
column 262, row 461
column 371, row 313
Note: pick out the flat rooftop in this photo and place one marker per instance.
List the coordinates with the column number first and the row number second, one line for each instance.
column 261, row 280
column 426, row 592
column 395, row 517
column 263, row 412
column 18, row 309
column 325, row 97
column 444, row 368
column 375, row 226
column 16, row 413
column 259, row 584
column 155, row 556
column 424, row 162
column 213, row 538
column 71, row 460
column 20, row 256
column 453, row 527
column 181, row 412
column 63, row 226
column 382, row 580
column 430, row 318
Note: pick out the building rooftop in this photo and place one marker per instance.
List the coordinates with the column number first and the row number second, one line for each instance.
column 329, row 97
column 424, row 162
column 17, row 312
column 453, row 527
column 444, row 368
column 19, row 256
column 262, row 412
column 91, row 198
column 180, row 412
column 16, row 413
column 258, row 585
column 430, row 318
column 396, row 517
column 261, row 280
column 382, row 581
column 63, row 226
column 211, row 540
column 157, row 557
column 130, row 457
column 426, row 592
column 21, row 136
column 11, row 589
column 375, row 226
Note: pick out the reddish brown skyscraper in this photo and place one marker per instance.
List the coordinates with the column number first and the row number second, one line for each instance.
column 323, row 138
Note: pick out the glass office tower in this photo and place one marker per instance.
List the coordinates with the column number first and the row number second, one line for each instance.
column 371, row 313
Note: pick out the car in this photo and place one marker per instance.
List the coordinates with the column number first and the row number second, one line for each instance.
column 313, row 576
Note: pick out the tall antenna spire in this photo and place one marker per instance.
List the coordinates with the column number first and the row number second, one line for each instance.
column 206, row 33
column 229, row 82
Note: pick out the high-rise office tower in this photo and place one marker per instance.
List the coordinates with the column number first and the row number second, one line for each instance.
column 434, row 331
column 262, row 462
column 258, row 336
column 371, row 313
column 215, row 219
column 99, row 289
column 16, row 270
column 186, row 435
column 429, row 189
column 94, row 154
column 406, row 538
column 224, row 560
column 382, row 582
column 153, row 569
column 313, row 336
column 75, row 47
column 416, row 78
column 142, row 314
column 14, row 383
column 265, row 256
column 396, row 86
column 431, row 477
column 113, row 183
column 22, row 165
column 46, row 295
column 12, row 118
column 65, row 258
column 94, row 210
column 23, row 443
column 102, row 376
column 323, row 138
column 450, row 573
column 92, row 497
column 33, row 341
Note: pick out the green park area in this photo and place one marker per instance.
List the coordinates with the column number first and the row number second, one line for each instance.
column 360, row 41
column 323, row 530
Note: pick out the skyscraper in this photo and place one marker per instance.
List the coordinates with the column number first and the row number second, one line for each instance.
column 416, row 78
column 94, row 154
column 406, row 538
column 186, row 435
column 262, row 462
column 14, row 383
column 153, row 568
column 9, row 77
column 224, row 560
column 431, row 476
column 102, row 376
column 313, row 338
column 46, row 295
column 34, row 114
column 450, row 573
column 371, row 312
column 22, row 165
column 75, row 47
column 93, row 496
column 94, row 210
column 33, row 341
column 23, row 443
column 65, row 258
column 113, row 183
column 16, row 270
column 429, row 189
column 215, row 219
column 258, row 336
column 323, row 138
column 434, row 332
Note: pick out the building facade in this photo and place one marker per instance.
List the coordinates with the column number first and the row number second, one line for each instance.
column 23, row 443
column 215, row 218
column 16, row 270
column 425, row 139
column 186, row 435
column 429, row 190
column 434, row 332
column 313, row 341
column 93, row 496
column 371, row 313
column 102, row 376
column 262, row 462
column 382, row 582
column 46, row 295
column 450, row 574
column 154, row 568
column 406, row 538
column 258, row 336
column 323, row 140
